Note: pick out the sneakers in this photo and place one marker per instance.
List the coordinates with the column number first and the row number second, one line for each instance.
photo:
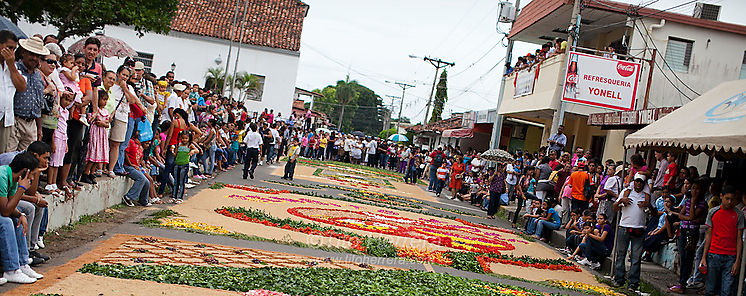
column 18, row 277
column 178, row 201
column 3, row 281
column 584, row 262
column 128, row 202
column 30, row 272
column 50, row 187
column 193, row 165
column 40, row 243
column 595, row 265
column 39, row 255
column 188, row 186
column 251, row 174
column 35, row 261
column 695, row 285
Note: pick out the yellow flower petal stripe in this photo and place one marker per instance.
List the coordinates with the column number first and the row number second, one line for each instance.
column 584, row 286
column 184, row 224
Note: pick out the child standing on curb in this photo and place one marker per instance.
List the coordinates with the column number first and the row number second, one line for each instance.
column 183, row 151
column 723, row 245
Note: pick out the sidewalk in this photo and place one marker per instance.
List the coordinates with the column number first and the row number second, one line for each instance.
column 655, row 276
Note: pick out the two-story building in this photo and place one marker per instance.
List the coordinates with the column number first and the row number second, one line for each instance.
column 268, row 34
column 692, row 55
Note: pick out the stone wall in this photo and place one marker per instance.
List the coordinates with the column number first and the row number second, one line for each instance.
column 91, row 200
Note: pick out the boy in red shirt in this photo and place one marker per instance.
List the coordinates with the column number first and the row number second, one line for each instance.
column 723, row 245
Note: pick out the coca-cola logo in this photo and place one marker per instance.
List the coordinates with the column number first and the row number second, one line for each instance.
column 625, row 69
column 572, row 78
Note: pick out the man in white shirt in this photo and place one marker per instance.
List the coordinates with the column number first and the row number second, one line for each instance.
column 174, row 101
column 477, row 164
column 511, row 178
column 372, row 149
column 632, row 204
column 273, row 149
column 254, row 144
column 10, row 81
column 557, row 141
column 347, row 148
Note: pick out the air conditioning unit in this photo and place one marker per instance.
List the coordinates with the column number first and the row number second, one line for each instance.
column 506, row 13
column 707, row 11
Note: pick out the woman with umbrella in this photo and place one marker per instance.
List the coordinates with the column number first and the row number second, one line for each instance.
column 496, row 188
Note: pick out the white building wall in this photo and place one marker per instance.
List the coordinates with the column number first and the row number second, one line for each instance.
column 193, row 55
column 716, row 57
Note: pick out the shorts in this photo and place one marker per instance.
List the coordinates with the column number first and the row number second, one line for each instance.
column 118, row 131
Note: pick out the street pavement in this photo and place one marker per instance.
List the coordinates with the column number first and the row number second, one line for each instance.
column 264, row 173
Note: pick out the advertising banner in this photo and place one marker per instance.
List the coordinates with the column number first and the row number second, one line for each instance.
column 601, row 82
column 524, row 81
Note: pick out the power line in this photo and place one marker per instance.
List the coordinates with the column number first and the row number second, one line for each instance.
column 659, row 68
column 479, row 59
column 664, row 60
column 633, row 10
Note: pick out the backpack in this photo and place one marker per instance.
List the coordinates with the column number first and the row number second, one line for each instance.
column 438, row 158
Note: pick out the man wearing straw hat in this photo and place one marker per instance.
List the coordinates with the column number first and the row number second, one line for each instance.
column 27, row 104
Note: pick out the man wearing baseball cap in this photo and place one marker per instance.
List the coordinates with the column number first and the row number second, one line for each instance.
column 144, row 90
column 27, row 104
column 632, row 203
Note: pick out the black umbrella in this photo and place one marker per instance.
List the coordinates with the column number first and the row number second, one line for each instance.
column 6, row 24
column 357, row 134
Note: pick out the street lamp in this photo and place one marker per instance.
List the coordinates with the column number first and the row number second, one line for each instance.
column 218, row 60
column 173, row 67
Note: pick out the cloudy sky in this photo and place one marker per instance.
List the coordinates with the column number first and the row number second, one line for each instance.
column 371, row 41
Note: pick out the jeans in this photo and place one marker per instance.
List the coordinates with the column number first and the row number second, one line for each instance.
column 249, row 164
column 686, row 256
column 13, row 248
column 290, row 169
column 594, row 250
column 623, row 241
column 167, row 171
column 209, row 155
column 33, row 215
column 131, row 123
column 542, row 224
column 140, row 189
column 572, row 242
column 433, row 179
column 384, row 160
column 697, row 276
column 719, row 280
column 181, row 172
column 518, row 208
column 485, row 201
column 44, row 221
column 439, row 185
column 565, row 213
column 531, row 225
column 271, row 153
column 578, row 204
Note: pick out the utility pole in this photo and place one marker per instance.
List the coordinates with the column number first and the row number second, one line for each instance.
column 388, row 125
column 497, row 126
column 230, row 48
column 437, row 63
column 404, row 88
column 238, row 50
column 572, row 40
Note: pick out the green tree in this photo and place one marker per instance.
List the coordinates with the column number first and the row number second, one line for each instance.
column 384, row 134
column 441, row 97
column 346, row 95
column 354, row 106
column 248, row 83
column 82, row 17
column 214, row 78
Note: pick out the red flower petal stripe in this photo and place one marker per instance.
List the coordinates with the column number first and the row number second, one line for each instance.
column 524, row 262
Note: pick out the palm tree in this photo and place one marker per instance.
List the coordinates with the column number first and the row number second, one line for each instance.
column 215, row 77
column 248, row 83
column 346, row 94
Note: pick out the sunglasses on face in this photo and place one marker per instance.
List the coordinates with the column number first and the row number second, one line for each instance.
column 50, row 61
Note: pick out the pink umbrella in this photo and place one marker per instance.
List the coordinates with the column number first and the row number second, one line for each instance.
column 110, row 47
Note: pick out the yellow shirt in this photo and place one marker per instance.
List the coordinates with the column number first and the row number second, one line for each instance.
column 322, row 142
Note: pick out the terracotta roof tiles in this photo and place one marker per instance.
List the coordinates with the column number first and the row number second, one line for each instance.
column 269, row 23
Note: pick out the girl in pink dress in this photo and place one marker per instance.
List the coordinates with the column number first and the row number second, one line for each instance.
column 59, row 140
column 98, row 146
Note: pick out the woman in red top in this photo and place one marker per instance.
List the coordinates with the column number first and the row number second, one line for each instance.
column 178, row 124
column 457, row 175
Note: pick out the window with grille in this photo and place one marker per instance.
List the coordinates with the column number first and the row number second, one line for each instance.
column 743, row 67
column 145, row 58
column 679, row 53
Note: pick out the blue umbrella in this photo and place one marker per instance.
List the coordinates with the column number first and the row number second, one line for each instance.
column 398, row 138
column 6, row 24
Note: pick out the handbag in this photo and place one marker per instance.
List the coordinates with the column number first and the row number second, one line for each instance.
column 47, row 104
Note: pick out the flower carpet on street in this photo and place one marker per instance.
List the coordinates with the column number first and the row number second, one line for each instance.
column 319, row 281
column 585, row 287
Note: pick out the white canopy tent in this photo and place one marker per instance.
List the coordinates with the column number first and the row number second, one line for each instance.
column 714, row 123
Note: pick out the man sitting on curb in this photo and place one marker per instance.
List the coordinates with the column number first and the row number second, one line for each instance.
column 14, row 180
